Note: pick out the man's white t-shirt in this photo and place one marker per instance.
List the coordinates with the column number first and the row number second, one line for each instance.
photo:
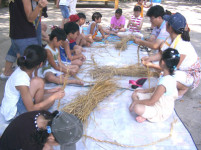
column 11, row 94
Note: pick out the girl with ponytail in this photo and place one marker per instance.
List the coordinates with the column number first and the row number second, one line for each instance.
column 23, row 92
column 157, row 104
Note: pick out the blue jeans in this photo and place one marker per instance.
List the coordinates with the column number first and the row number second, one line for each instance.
column 38, row 31
column 64, row 11
column 18, row 46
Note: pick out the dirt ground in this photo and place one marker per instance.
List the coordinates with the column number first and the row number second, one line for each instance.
column 189, row 108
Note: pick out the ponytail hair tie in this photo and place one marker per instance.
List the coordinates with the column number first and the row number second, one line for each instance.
column 178, row 55
column 175, row 67
column 25, row 57
column 49, row 130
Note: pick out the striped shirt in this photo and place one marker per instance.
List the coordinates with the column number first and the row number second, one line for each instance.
column 135, row 20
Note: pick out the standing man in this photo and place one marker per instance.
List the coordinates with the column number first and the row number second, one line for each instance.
column 22, row 30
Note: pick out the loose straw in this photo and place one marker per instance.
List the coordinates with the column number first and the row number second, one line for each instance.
column 138, row 54
column 64, row 85
column 135, row 70
column 132, row 146
column 149, row 75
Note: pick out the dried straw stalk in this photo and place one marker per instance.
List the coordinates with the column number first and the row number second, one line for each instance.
column 122, row 45
column 84, row 104
column 135, row 146
column 99, row 46
column 64, row 85
column 132, row 71
column 138, row 54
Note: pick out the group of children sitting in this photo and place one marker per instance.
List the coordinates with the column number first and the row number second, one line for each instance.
column 24, row 91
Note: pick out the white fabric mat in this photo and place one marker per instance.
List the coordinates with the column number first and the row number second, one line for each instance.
column 111, row 120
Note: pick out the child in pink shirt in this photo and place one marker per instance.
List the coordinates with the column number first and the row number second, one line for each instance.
column 118, row 21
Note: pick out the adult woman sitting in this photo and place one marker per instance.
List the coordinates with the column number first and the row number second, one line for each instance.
column 188, row 69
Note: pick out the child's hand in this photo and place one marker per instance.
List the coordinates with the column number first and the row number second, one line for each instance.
column 82, row 57
column 146, row 60
column 59, row 95
column 136, row 40
column 147, row 63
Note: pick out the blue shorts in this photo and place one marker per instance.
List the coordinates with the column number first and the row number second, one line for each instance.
column 72, row 45
column 20, row 107
column 63, row 56
column 65, row 11
column 18, row 46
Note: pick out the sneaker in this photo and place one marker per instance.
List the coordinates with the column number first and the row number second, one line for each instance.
column 4, row 77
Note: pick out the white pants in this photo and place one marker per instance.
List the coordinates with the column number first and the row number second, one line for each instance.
column 124, row 34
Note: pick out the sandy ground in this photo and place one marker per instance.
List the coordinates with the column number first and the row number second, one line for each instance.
column 189, row 108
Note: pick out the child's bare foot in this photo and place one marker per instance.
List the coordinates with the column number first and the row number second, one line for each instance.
column 140, row 119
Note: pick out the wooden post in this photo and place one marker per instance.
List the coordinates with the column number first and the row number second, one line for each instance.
column 116, row 3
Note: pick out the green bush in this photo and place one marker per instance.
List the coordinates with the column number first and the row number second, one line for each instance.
column 4, row 3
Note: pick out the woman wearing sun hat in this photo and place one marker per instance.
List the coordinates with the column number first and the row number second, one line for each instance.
column 41, row 130
column 188, row 69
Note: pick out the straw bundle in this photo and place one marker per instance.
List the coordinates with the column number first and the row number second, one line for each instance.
column 122, row 45
column 84, row 104
column 132, row 71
